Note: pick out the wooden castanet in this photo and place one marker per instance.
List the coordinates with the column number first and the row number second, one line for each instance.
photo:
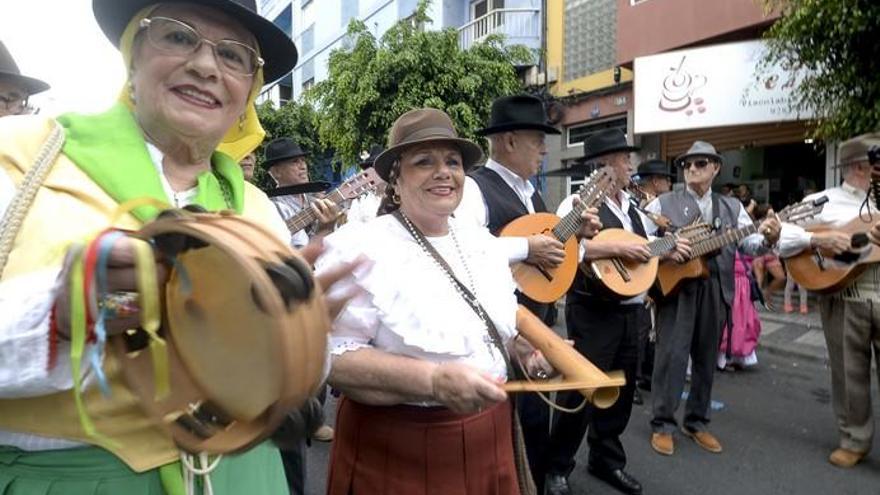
column 543, row 285
column 815, row 272
column 578, row 373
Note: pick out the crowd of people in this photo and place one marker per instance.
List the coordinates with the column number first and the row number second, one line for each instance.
column 417, row 283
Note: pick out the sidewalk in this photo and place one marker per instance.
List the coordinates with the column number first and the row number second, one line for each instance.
column 793, row 334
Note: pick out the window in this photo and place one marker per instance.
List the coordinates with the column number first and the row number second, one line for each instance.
column 589, row 37
column 307, row 85
column 308, row 39
column 481, row 8
column 349, row 11
column 577, row 134
column 284, row 21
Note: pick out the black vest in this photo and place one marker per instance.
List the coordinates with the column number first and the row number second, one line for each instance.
column 503, row 203
column 586, row 289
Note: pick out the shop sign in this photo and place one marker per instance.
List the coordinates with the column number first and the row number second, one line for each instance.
column 714, row 86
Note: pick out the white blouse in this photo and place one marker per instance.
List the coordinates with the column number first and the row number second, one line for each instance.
column 408, row 306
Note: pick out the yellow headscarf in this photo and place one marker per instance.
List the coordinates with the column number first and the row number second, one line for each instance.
column 243, row 137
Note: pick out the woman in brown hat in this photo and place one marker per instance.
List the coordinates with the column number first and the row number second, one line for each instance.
column 184, row 118
column 420, row 354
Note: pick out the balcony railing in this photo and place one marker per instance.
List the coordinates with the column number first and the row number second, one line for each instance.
column 519, row 26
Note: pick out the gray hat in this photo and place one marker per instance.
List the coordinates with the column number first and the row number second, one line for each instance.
column 699, row 148
column 856, row 149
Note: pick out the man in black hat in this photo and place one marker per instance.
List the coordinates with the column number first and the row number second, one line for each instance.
column 604, row 329
column 653, row 178
column 690, row 321
column 15, row 89
column 500, row 192
column 287, row 165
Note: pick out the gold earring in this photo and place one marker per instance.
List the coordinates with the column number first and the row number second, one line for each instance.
column 395, row 198
column 131, row 92
column 241, row 122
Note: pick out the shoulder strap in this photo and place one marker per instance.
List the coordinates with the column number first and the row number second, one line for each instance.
column 27, row 191
column 469, row 298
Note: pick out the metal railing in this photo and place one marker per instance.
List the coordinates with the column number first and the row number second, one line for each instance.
column 519, row 26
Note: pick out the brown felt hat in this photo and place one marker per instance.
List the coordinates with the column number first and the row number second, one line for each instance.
column 424, row 125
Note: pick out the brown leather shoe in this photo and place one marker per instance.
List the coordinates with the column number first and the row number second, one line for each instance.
column 704, row 439
column 845, row 458
column 662, row 443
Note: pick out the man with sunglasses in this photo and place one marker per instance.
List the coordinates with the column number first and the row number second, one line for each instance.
column 15, row 89
column 689, row 322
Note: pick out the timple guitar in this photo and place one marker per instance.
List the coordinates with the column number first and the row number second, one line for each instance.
column 670, row 274
column 627, row 278
column 356, row 186
column 639, row 198
column 548, row 285
column 815, row 271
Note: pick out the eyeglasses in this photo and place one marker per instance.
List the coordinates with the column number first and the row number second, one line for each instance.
column 13, row 104
column 701, row 164
column 176, row 38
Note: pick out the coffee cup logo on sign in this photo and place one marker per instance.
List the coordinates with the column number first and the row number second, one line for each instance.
column 679, row 87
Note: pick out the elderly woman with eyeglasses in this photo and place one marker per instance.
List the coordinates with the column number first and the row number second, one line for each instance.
column 184, row 118
column 422, row 353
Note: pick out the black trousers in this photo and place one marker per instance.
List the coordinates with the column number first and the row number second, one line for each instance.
column 607, row 335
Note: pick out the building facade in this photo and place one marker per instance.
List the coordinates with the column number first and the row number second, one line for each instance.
column 319, row 26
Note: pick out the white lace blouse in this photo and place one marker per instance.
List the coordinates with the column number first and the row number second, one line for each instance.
column 408, row 306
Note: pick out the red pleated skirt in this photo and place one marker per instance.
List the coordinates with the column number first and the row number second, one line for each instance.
column 409, row 450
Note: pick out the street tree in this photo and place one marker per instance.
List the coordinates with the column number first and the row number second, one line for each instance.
column 373, row 81
column 836, row 41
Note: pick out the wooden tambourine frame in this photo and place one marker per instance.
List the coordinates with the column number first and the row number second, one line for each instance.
column 246, row 333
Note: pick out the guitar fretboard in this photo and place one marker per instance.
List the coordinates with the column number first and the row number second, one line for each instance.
column 661, row 246
column 306, row 216
column 593, row 193
column 718, row 241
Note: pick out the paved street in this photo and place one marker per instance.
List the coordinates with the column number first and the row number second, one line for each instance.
column 775, row 423
column 777, row 429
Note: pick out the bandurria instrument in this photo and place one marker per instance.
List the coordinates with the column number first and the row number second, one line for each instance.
column 577, row 372
column 548, row 285
column 245, row 333
column 626, row 278
column 356, row 186
column 671, row 274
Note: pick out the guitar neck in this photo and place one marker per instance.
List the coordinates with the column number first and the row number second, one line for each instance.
column 306, row 216
column 661, row 246
column 717, row 242
column 570, row 223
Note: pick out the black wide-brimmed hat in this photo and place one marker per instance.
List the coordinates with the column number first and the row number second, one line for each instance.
column 519, row 112
column 654, row 167
column 281, row 149
column 9, row 71
column 605, row 142
column 424, row 125
column 276, row 48
column 699, row 148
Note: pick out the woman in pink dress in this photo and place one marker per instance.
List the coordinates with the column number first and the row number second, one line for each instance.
column 739, row 340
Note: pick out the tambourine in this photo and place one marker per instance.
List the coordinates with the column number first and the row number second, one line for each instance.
column 245, row 330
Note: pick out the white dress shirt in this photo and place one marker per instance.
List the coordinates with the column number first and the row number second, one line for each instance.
column 473, row 207
column 288, row 206
column 622, row 213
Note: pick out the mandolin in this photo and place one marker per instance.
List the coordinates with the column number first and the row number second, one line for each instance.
column 670, row 275
column 626, row 278
column 548, row 285
column 352, row 188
